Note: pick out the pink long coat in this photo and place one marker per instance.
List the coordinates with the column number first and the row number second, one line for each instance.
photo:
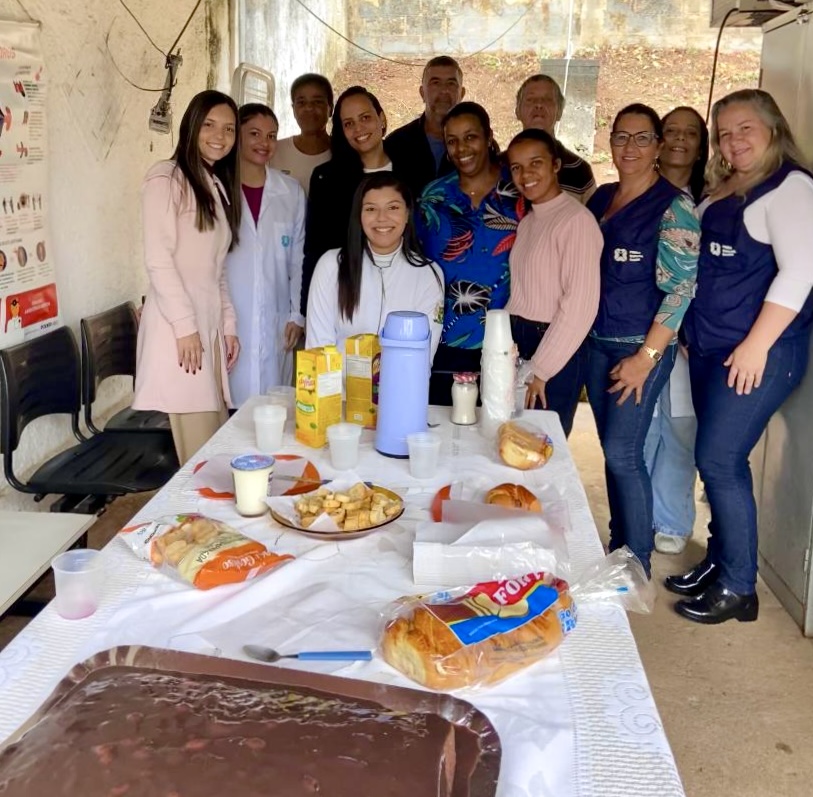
column 188, row 293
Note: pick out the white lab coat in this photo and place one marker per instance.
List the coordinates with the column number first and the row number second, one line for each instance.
column 388, row 283
column 265, row 282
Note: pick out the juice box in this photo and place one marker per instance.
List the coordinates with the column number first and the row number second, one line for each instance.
column 362, row 363
column 318, row 394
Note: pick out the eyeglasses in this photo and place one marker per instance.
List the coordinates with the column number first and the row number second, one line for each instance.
column 622, row 138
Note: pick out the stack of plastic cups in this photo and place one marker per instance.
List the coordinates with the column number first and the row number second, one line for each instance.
column 498, row 372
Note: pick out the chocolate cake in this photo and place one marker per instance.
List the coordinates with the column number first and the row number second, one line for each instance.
column 132, row 731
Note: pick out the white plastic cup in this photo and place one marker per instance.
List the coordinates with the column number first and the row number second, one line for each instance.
column 283, row 396
column 79, row 581
column 497, row 335
column 343, row 439
column 269, row 424
column 251, row 473
column 424, row 453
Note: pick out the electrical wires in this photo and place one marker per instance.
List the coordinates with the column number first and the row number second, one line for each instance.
column 734, row 10
column 410, row 63
column 143, row 30
column 167, row 55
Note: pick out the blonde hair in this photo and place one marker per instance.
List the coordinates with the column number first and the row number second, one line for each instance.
column 782, row 146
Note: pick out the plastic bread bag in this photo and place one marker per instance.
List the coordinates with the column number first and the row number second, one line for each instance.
column 477, row 636
column 497, row 389
column 200, row 551
column 523, row 446
column 618, row 576
column 525, row 376
column 483, row 542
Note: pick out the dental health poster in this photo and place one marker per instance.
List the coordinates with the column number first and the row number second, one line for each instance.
column 28, row 299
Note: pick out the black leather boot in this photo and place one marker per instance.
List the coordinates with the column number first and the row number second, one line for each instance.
column 696, row 581
column 718, row 604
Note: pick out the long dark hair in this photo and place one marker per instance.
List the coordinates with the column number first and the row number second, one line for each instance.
column 344, row 155
column 351, row 255
column 188, row 159
column 481, row 114
column 697, row 179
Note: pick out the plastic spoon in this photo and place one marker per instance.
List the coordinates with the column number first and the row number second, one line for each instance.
column 269, row 656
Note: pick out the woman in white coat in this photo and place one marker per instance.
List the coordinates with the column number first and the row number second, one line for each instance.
column 265, row 270
column 380, row 268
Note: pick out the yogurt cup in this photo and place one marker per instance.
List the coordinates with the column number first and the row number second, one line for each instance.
column 251, row 473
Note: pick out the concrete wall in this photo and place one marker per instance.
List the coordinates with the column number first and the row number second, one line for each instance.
column 283, row 38
column 99, row 149
column 427, row 27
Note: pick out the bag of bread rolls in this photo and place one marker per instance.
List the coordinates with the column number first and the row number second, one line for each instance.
column 523, row 446
column 478, row 636
column 200, row 551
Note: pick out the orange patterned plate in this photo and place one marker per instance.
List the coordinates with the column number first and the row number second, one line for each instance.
column 309, row 475
column 436, row 510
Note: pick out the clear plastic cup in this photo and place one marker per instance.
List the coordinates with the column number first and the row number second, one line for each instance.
column 343, row 439
column 283, row 396
column 497, row 334
column 424, row 453
column 269, row 424
column 520, row 396
column 79, row 581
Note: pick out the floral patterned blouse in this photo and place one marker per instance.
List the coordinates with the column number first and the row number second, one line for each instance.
column 676, row 266
column 471, row 245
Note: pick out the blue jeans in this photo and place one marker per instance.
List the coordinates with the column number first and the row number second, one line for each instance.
column 622, row 431
column 562, row 391
column 728, row 428
column 669, row 455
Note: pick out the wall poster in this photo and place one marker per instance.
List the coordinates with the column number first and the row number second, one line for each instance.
column 28, row 297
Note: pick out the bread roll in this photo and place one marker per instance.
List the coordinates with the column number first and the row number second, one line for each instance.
column 513, row 496
column 522, row 448
column 423, row 648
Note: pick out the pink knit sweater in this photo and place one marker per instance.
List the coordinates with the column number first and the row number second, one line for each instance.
column 555, row 278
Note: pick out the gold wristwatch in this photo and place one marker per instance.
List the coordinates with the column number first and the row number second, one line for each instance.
column 654, row 354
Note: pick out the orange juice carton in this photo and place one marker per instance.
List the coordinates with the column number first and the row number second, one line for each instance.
column 318, row 394
column 362, row 366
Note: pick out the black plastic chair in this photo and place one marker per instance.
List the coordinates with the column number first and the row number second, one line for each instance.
column 41, row 377
column 109, row 349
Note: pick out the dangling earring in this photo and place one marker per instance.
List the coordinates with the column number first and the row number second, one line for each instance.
column 727, row 166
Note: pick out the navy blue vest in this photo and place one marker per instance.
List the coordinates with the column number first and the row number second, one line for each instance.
column 630, row 296
column 734, row 274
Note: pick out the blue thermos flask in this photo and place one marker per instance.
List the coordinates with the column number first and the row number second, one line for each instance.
column 403, row 393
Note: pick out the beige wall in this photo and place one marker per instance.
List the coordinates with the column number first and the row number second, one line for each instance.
column 99, row 148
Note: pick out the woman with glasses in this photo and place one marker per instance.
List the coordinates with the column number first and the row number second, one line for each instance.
column 648, row 269
column 748, row 334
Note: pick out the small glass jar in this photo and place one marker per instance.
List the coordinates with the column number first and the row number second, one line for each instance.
column 464, row 399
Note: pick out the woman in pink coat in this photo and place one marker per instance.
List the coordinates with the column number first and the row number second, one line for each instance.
column 187, row 339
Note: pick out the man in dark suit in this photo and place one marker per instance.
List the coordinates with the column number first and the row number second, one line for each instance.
column 420, row 143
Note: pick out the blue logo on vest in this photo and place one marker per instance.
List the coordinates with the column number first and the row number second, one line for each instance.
column 721, row 250
column 286, row 240
column 627, row 255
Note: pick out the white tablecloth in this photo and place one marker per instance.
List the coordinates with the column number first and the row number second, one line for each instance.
column 580, row 724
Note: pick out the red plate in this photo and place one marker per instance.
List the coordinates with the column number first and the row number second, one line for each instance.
column 310, row 473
